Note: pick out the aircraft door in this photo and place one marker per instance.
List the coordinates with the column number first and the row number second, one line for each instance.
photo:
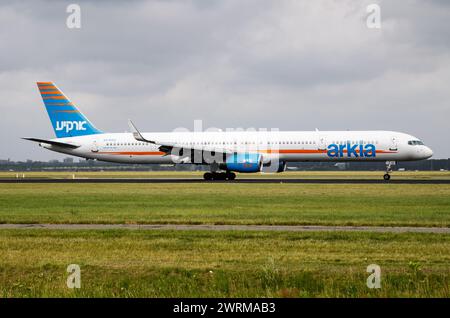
column 394, row 144
column 94, row 147
column 322, row 144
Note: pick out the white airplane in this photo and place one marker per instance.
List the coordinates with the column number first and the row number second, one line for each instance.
column 228, row 152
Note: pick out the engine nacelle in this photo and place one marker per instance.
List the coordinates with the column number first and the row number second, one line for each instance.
column 248, row 162
column 281, row 166
column 275, row 166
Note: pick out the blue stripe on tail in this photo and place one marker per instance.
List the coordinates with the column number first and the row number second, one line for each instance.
column 66, row 119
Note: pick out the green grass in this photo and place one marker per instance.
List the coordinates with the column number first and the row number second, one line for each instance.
column 424, row 175
column 164, row 263
column 222, row 264
column 301, row 204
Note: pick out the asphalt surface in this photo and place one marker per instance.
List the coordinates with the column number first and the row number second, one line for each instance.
column 189, row 227
column 199, row 180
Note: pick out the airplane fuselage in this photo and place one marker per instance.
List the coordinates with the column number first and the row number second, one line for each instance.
column 236, row 151
column 289, row 146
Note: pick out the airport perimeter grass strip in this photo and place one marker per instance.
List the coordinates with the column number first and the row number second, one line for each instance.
column 129, row 263
column 227, row 204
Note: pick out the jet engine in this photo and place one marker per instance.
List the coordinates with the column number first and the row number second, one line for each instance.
column 248, row 162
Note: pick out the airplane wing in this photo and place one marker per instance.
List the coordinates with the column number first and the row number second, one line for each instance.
column 54, row 143
column 167, row 146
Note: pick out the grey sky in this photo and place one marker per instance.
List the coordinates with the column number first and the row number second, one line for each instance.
column 292, row 65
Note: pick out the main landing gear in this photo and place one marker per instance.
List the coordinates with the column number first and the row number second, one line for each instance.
column 209, row 176
column 389, row 165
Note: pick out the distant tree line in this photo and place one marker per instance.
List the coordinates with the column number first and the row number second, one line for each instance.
column 69, row 164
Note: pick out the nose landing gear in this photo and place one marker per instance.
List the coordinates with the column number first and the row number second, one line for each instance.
column 389, row 165
column 210, row 176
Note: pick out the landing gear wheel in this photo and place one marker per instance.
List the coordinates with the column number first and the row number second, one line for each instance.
column 389, row 165
column 209, row 176
column 220, row 176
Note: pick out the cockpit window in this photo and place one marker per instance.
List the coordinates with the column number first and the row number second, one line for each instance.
column 415, row 142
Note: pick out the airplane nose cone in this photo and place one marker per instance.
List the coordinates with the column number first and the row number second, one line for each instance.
column 428, row 152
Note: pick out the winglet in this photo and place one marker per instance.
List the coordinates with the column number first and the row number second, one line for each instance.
column 136, row 134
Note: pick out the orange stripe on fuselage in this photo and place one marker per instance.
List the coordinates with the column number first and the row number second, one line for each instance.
column 376, row 151
column 290, row 151
column 134, row 153
column 280, row 151
column 312, row 151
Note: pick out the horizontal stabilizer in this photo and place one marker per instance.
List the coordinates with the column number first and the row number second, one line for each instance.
column 53, row 143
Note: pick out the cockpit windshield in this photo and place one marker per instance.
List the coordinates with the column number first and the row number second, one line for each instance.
column 415, row 143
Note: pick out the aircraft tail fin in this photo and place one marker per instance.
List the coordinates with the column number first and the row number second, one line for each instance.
column 67, row 120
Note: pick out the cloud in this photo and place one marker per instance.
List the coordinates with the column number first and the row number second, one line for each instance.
column 293, row 65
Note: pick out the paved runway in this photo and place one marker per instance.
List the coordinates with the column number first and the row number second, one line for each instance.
column 255, row 180
column 189, row 227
